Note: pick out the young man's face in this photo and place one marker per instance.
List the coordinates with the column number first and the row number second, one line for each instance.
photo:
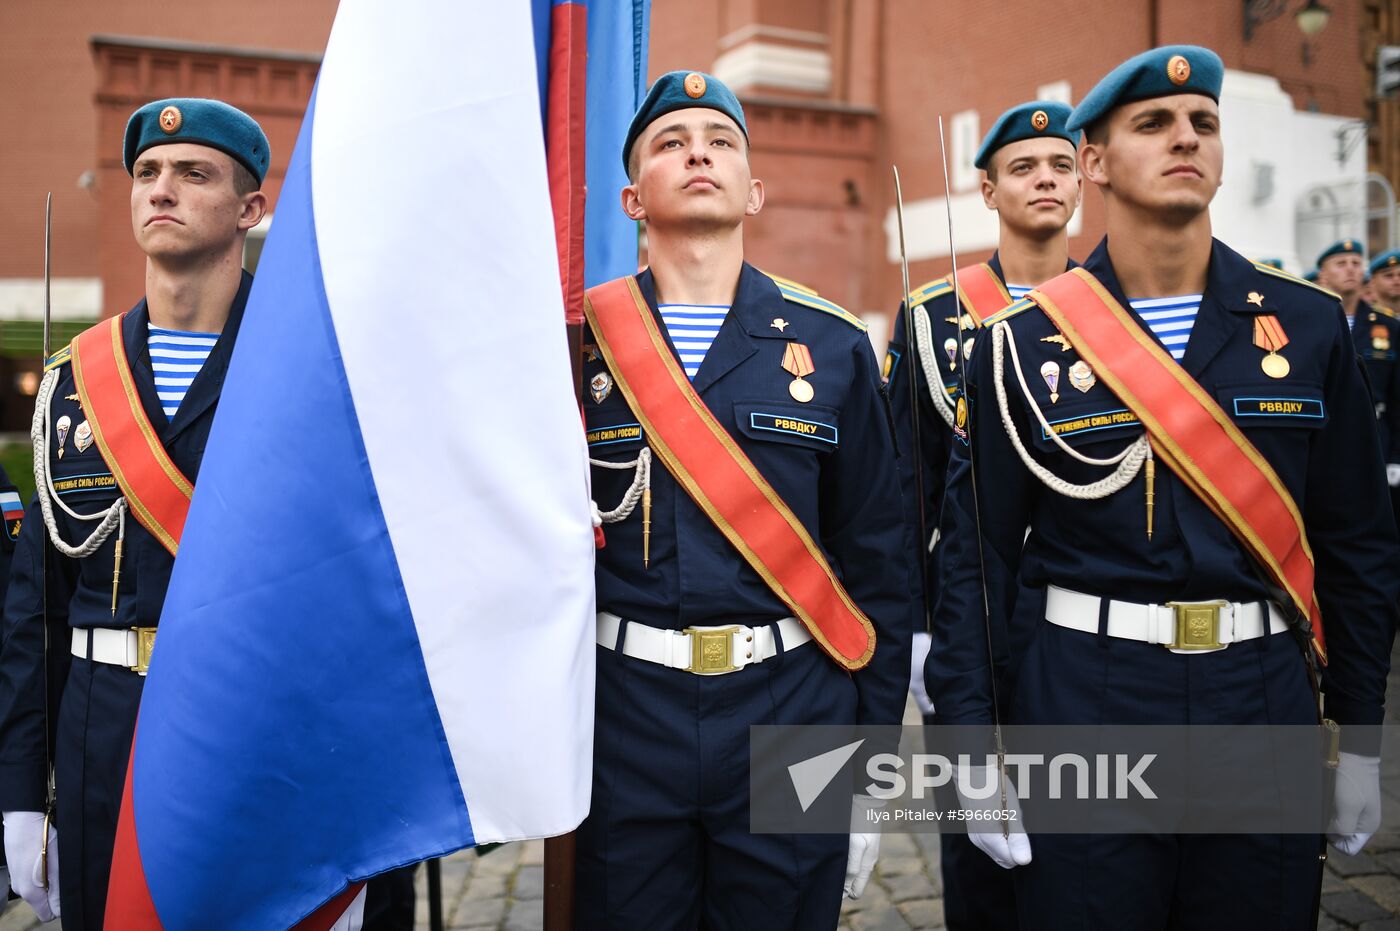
column 692, row 169
column 1342, row 273
column 1033, row 185
column 184, row 202
column 1387, row 285
column 1163, row 155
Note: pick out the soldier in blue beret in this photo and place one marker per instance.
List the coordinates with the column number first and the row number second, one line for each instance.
column 1376, row 334
column 1032, row 182
column 701, row 633
column 1207, row 397
column 1385, row 279
column 196, row 167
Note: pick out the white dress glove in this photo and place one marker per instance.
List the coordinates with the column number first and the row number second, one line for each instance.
column 1392, row 474
column 24, row 844
column 865, row 845
column 353, row 918
column 922, row 642
column 1356, row 812
column 999, row 832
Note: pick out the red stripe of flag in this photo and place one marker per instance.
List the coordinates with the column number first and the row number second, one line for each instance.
column 565, row 144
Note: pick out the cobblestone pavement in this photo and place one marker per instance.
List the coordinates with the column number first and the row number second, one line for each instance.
column 504, row 889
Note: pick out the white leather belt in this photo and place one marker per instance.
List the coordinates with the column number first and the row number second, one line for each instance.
column 130, row 647
column 705, row 651
column 1180, row 626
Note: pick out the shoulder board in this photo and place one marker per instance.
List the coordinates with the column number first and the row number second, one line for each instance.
column 1008, row 312
column 807, row 299
column 936, row 288
column 1384, row 311
column 789, row 284
column 1279, row 273
column 58, row 358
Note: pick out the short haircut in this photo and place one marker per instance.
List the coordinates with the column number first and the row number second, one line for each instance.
column 243, row 181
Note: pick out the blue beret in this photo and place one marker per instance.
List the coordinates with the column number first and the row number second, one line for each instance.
column 677, row 90
column 1342, row 247
column 199, row 122
column 1311, row 276
column 1035, row 120
column 1160, row 72
column 1385, row 261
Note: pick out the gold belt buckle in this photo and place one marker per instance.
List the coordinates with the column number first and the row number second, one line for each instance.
column 1197, row 625
column 145, row 643
column 711, row 649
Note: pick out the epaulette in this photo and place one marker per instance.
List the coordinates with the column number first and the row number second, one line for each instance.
column 936, row 288
column 814, row 301
column 1384, row 311
column 1008, row 312
column 782, row 282
column 1280, row 273
column 59, row 358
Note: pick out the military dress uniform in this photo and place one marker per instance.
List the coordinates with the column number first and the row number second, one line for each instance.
column 1320, row 443
column 100, row 696
column 977, row 893
column 13, row 510
column 1376, row 334
column 667, row 841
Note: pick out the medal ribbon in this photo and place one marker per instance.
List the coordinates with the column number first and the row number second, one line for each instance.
column 797, row 359
column 1268, row 333
column 707, row 462
column 1190, row 432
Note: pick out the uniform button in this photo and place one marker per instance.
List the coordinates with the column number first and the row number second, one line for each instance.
column 748, row 655
column 749, row 638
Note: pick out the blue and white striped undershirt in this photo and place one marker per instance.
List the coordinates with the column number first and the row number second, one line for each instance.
column 176, row 358
column 693, row 328
column 1170, row 319
column 1018, row 291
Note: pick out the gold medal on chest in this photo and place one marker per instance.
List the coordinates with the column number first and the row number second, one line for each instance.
column 797, row 360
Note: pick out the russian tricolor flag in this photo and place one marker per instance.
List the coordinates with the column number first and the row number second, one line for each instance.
column 377, row 646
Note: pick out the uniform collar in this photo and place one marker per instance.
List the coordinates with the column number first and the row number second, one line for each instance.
column 734, row 343
column 207, row 385
column 1231, row 280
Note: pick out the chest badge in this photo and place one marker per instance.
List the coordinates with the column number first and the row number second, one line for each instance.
column 1058, row 339
column 1269, row 336
column 797, row 360
column 590, row 352
column 60, row 429
column 82, row 436
column 1081, row 376
column 1255, row 298
column 950, row 349
column 779, row 324
column 1050, row 371
column 600, row 386
column 1380, row 337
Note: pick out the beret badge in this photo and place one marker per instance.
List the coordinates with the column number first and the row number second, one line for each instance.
column 695, row 85
column 1178, row 70
column 170, row 120
column 1040, row 119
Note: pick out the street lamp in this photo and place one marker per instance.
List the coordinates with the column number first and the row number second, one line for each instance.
column 1311, row 19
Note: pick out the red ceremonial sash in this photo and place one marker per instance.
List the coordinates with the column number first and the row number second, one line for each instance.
column 156, row 490
column 981, row 291
column 714, row 471
column 1190, row 432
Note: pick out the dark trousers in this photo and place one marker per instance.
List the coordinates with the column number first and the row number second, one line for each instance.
column 666, row 844
column 389, row 901
column 1151, row 882
column 978, row 895
column 96, row 720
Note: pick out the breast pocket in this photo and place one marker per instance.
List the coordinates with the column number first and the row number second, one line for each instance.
column 1087, row 424
column 804, row 426
column 1291, row 406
